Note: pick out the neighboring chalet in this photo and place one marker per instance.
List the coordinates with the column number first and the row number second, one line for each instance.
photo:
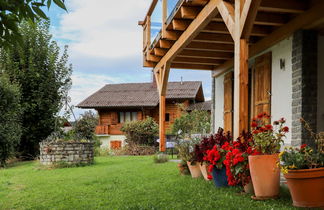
column 264, row 56
column 119, row 103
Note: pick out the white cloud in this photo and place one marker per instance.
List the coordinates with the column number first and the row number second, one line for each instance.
column 103, row 28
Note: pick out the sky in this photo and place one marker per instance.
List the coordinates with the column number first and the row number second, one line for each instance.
column 105, row 46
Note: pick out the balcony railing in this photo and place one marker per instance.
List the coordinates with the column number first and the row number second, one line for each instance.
column 102, row 130
column 160, row 12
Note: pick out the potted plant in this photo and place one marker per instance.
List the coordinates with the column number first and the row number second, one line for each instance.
column 215, row 158
column 183, row 168
column 236, row 162
column 186, row 153
column 303, row 169
column 207, row 143
column 264, row 171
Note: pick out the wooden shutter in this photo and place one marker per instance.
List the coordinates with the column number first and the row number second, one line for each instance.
column 114, row 118
column 115, row 144
column 228, row 102
column 262, row 84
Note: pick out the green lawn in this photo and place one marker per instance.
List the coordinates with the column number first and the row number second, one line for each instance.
column 119, row 183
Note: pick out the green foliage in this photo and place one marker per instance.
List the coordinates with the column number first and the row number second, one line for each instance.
column 186, row 149
column 14, row 12
column 300, row 158
column 86, row 125
column 160, row 158
column 121, row 182
column 141, row 132
column 44, row 79
column 10, row 127
column 197, row 121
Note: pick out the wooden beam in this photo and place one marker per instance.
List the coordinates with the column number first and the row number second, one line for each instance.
column 284, row 6
column 152, row 58
column 202, row 61
column 160, row 52
column 192, row 66
column 180, row 25
column 220, row 28
column 221, row 69
column 210, row 47
column 214, row 38
column 203, row 18
column 162, row 124
column 165, row 44
column 270, row 19
column 164, row 16
column 172, row 35
column 227, row 12
column 189, row 12
column 303, row 20
column 205, row 54
column 248, row 16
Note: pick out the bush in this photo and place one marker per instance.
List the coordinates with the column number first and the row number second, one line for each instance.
column 160, row 158
column 136, row 149
column 85, row 126
column 141, row 132
column 197, row 121
column 10, row 127
column 186, row 149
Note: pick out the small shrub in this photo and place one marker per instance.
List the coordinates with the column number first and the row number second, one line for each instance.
column 141, row 132
column 135, row 149
column 183, row 168
column 160, row 158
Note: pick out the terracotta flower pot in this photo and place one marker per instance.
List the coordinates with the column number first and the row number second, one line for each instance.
column 248, row 188
column 204, row 170
column 265, row 175
column 194, row 170
column 306, row 187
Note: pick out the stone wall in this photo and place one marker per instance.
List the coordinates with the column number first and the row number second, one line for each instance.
column 71, row 153
column 304, row 85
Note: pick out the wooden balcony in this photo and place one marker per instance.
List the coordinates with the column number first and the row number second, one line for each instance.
column 102, row 130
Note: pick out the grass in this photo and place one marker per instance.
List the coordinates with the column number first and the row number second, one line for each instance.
column 119, row 183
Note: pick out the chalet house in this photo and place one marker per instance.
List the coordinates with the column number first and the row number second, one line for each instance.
column 264, row 56
column 119, row 103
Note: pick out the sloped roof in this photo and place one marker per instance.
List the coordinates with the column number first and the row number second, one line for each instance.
column 206, row 106
column 140, row 94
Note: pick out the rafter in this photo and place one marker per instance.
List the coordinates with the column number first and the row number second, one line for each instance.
column 210, row 47
column 227, row 12
column 214, row 38
column 248, row 16
column 206, row 54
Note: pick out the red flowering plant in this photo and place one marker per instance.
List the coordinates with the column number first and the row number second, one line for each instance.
column 217, row 154
column 268, row 138
column 207, row 143
column 236, row 160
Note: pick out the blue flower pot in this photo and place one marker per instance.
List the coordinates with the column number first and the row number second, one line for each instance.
column 220, row 177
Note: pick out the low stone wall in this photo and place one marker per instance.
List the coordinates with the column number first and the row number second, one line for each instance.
column 71, row 153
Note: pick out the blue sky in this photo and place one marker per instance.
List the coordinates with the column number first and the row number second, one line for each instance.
column 105, row 45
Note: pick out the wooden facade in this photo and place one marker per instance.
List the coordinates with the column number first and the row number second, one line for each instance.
column 109, row 120
column 219, row 35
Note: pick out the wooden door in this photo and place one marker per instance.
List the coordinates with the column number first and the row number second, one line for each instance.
column 228, row 102
column 115, row 144
column 262, row 85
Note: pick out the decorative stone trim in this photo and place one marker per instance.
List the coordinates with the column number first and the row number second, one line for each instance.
column 304, row 85
column 70, row 153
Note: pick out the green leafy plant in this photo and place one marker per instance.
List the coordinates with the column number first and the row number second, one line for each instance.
column 10, row 125
column 141, row 132
column 268, row 138
column 160, row 158
column 186, row 150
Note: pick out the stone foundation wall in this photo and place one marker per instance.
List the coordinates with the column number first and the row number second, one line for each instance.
column 66, row 152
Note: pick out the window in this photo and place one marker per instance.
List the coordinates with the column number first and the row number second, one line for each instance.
column 127, row 116
column 167, row 117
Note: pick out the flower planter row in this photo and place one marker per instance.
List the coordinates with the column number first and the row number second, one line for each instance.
column 306, row 186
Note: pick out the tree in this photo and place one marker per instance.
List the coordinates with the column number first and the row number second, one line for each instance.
column 86, row 125
column 14, row 12
column 10, row 129
column 44, row 78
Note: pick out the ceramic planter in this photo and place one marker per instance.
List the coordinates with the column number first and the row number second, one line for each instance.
column 306, row 187
column 204, row 170
column 194, row 170
column 265, row 175
column 220, row 177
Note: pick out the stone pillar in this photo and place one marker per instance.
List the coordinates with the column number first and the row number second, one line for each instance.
column 304, row 85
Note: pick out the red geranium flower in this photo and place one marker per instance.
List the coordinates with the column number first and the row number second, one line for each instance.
column 254, row 124
column 303, row 146
column 285, row 129
column 209, row 177
column 269, row 127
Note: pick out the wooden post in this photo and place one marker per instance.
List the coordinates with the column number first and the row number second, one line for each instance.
column 162, row 124
column 164, row 16
column 241, row 75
